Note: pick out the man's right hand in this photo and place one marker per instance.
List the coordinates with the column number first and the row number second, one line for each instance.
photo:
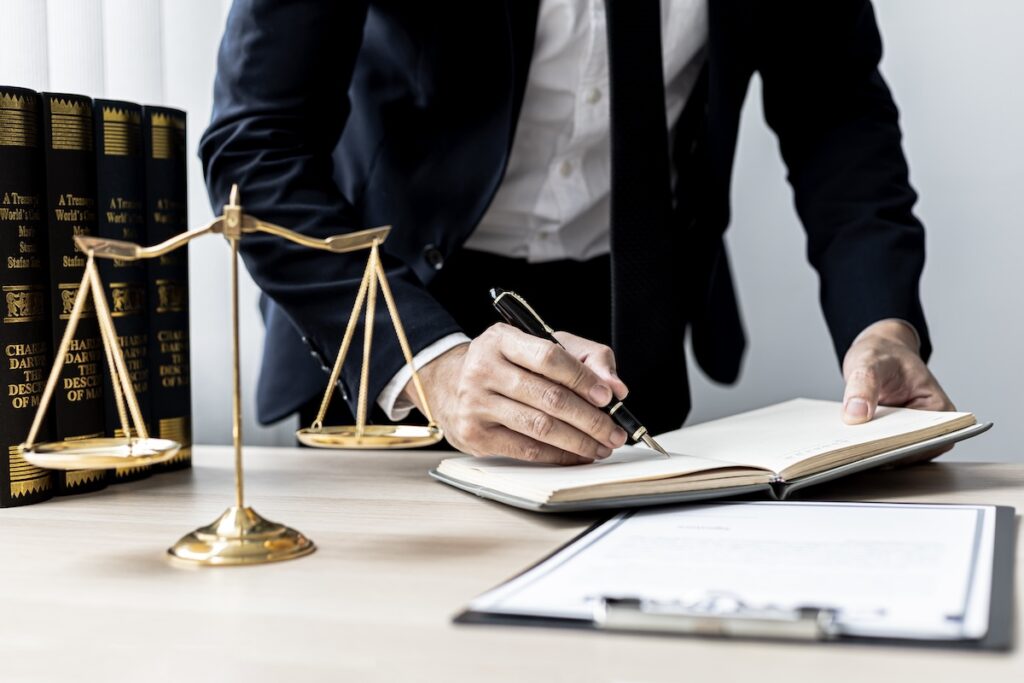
column 513, row 394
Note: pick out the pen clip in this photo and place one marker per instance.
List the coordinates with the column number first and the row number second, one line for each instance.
column 498, row 294
column 715, row 616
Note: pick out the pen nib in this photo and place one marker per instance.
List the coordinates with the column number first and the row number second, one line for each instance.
column 653, row 445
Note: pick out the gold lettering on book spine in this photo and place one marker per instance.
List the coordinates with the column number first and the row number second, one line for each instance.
column 23, row 303
column 168, row 136
column 74, row 478
column 18, row 121
column 126, row 299
column 68, row 292
column 135, row 349
column 26, row 479
column 70, row 125
column 171, row 296
column 177, row 429
column 121, row 132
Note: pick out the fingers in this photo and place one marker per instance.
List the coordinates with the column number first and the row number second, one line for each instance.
column 884, row 368
column 545, row 428
column 861, row 396
column 555, row 401
column 552, row 361
column 528, row 398
column 597, row 357
column 504, row 441
column 936, row 401
column 533, row 405
column 929, row 395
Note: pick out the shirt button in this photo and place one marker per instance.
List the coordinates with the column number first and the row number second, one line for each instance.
column 565, row 169
column 594, row 96
column 434, row 256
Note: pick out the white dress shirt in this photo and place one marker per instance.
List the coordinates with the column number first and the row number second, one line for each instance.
column 554, row 200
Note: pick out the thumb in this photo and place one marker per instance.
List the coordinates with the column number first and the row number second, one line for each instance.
column 861, row 396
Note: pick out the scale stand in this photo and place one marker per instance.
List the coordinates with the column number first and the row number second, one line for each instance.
column 239, row 536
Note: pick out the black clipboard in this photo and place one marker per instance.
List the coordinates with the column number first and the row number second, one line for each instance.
column 809, row 625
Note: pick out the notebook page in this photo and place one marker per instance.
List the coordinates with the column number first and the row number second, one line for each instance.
column 788, row 433
column 629, row 463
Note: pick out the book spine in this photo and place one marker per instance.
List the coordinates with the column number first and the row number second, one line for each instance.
column 167, row 216
column 121, row 199
column 71, row 210
column 24, row 325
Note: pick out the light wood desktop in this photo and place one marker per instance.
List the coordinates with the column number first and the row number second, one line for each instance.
column 87, row 591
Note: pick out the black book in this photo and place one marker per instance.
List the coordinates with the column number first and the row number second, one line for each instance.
column 121, row 200
column 24, row 327
column 70, row 162
column 166, row 216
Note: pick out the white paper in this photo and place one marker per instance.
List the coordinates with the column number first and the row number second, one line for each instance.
column 540, row 481
column 770, row 439
column 913, row 571
column 786, row 433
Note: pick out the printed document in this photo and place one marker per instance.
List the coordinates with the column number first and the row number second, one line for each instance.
column 889, row 570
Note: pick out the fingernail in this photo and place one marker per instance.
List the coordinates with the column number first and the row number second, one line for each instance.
column 600, row 394
column 618, row 437
column 604, row 452
column 857, row 408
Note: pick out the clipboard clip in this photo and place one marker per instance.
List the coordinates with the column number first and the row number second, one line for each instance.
column 717, row 615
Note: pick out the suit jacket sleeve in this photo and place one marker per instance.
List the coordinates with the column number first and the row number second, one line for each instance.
column 839, row 133
column 280, row 105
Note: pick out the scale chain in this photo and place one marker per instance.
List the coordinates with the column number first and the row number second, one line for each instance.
column 58, row 361
column 403, row 341
column 364, row 375
column 346, row 341
column 119, row 371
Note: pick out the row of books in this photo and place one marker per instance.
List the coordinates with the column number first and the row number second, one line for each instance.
column 70, row 165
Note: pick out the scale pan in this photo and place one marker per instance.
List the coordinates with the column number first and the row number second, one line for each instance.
column 374, row 436
column 99, row 454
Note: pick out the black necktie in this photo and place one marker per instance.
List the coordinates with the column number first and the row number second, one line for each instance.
column 647, row 329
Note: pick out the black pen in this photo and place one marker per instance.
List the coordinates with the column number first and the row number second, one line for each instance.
column 516, row 312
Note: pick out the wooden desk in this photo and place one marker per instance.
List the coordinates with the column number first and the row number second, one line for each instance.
column 86, row 588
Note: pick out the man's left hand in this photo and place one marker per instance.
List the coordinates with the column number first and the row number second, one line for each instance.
column 884, row 366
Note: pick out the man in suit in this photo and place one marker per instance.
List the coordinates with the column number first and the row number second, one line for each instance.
column 577, row 151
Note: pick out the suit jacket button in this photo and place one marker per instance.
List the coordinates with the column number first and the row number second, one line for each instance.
column 434, row 256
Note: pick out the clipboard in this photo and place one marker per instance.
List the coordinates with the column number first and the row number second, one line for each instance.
column 807, row 623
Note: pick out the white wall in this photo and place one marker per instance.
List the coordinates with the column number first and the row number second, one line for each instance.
column 954, row 67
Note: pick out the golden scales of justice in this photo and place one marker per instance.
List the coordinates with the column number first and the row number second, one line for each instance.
column 239, row 535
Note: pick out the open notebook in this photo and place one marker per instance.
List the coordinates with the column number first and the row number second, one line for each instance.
column 777, row 450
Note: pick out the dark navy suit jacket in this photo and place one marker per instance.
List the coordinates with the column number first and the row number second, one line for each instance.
column 336, row 115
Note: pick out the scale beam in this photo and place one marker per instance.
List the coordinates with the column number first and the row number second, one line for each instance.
column 103, row 247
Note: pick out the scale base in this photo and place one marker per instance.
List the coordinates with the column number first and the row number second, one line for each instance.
column 240, row 536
